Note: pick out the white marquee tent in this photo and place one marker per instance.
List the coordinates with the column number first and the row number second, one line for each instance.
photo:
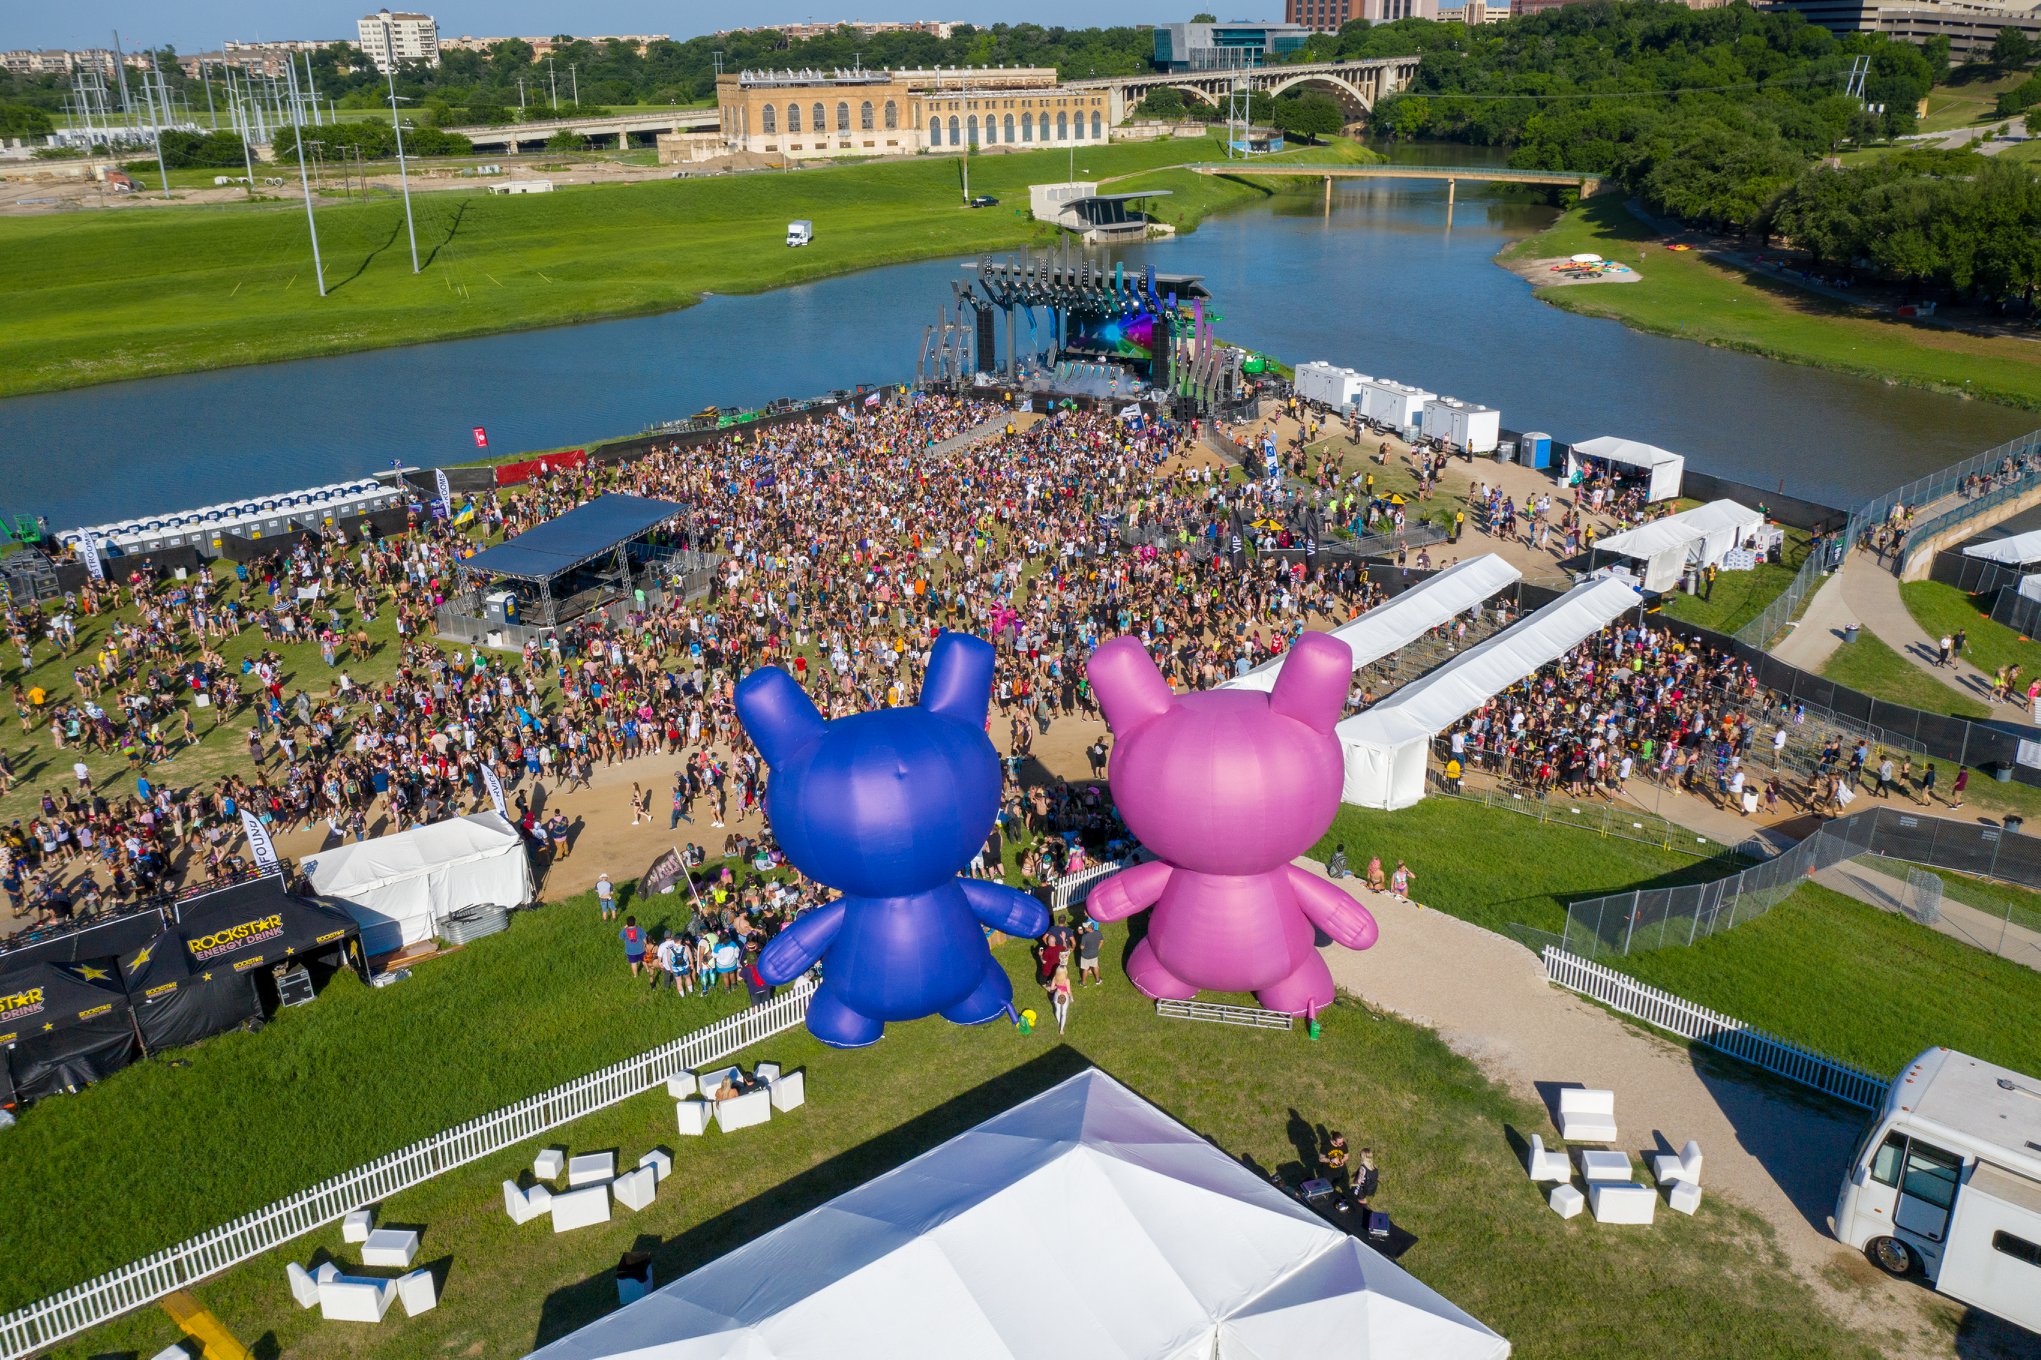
column 398, row 888
column 2016, row 550
column 1698, row 537
column 1186, row 1255
column 1663, row 468
column 1406, row 618
column 1385, row 746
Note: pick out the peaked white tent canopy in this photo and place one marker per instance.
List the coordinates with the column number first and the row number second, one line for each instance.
column 1698, row 537
column 1385, row 746
column 2015, row 550
column 399, row 888
column 1406, row 618
column 1186, row 1254
column 1663, row 468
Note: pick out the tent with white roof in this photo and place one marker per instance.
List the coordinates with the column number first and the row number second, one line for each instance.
column 1699, row 537
column 1664, row 468
column 399, row 888
column 1182, row 1253
column 1385, row 746
column 2016, row 550
column 1403, row 620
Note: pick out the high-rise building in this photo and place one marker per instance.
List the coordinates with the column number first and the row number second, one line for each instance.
column 1328, row 16
column 392, row 39
column 1222, row 47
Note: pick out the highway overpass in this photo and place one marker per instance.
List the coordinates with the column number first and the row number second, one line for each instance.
column 511, row 137
column 1588, row 183
column 1357, row 86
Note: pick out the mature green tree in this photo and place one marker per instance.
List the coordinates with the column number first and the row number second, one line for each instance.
column 1310, row 116
column 1164, row 103
column 2012, row 50
column 23, row 120
column 566, row 139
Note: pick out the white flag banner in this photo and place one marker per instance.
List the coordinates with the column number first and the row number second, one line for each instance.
column 446, row 493
column 1130, row 413
column 90, row 551
column 260, row 847
column 495, row 787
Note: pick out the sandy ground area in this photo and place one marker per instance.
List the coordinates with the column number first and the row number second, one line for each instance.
column 1547, row 273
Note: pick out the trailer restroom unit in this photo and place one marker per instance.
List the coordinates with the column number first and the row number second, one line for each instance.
column 1329, row 385
column 1463, row 424
column 1388, row 402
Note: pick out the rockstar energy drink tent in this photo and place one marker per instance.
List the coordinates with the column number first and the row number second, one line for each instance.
column 63, row 1025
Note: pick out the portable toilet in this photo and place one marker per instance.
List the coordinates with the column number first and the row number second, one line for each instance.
column 1534, row 449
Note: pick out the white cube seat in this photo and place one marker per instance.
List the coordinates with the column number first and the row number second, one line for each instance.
column 176, row 1350
column 635, row 1189
column 1544, row 1164
column 356, row 1226
column 681, row 1085
column 590, row 1168
column 742, row 1112
column 1587, row 1116
column 1685, row 1165
column 1600, row 1164
column 417, row 1293
column 304, row 1288
column 661, row 1162
column 1615, row 1202
column 348, row 1299
column 583, row 1208
column 1683, row 1197
column 395, row 1248
column 766, row 1071
column 548, row 1165
column 789, row 1092
column 1567, row 1201
column 693, row 1116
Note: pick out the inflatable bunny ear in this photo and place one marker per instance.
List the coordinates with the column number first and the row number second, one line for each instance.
column 1312, row 684
column 777, row 715
column 1129, row 688
column 959, row 680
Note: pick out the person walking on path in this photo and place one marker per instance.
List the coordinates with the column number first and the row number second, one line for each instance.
column 1884, row 777
column 1059, row 994
column 606, row 897
column 634, row 944
column 1088, row 940
column 1962, row 782
column 1957, row 640
column 1928, row 784
column 1944, row 648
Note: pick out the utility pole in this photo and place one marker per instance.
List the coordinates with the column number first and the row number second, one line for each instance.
column 158, row 121
column 553, row 81
column 304, row 183
column 212, row 118
column 120, row 68
column 574, row 78
column 403, row 176
column 520, row 94
column 247, row 142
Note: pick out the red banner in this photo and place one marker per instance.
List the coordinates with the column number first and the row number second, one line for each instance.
column 512, row 474
column 481, row 438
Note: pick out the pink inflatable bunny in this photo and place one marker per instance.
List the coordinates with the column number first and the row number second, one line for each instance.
column 1225, row 788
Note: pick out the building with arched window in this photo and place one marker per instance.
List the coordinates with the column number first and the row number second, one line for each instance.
column 787, row 113
column 865, row 116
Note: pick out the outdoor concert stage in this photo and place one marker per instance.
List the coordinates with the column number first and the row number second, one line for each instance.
column 1106, row 332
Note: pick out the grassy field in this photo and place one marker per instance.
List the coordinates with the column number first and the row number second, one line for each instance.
column 1691, row 298
column 104, row 296
column 1968, row 98
column 1870, row 667
column 1740, row 596
column 1942, row 609
column 1445, row 1138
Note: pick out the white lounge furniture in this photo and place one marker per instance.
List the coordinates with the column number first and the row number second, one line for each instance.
column 789, row 1092
column 1685, row 1165
column 417, row 1293
column 1683, row 1198
column 392, row 1247
column 766, row 1072
column 1587, row 1116
column 1567, row 1201
column 525, row 1205
column 304, row 1288
column 681, row 1085
column 583, row 1208
column 635, row 1189
column 1615, row 1202
column 661, row 1162
column 741, row 1112
column 174, row 1351
column 348, row 1299
column 591, row 1168
column 712, row 1080
column 325, row 1271
column 548, row 1165
column 356, row 1226
column 1597, row 1164
column 1546, row 1164
column 693, row 1116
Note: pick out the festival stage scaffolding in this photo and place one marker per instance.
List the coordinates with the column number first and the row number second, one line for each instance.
column 1109, row 331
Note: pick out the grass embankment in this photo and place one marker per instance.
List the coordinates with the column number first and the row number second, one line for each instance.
column 106, row 296
column 1737, row 597
column 1443, row 1135
column 1942, row 609
column 1689, row 297
column 1871, row 667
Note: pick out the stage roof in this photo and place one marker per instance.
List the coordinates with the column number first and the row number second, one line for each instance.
column 582, row 534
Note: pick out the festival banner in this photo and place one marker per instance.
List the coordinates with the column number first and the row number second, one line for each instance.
column 481, row 438
column 260, row 847
column 513, row 474
column 663, row 876
column 446, row 492
column 89, row 550
column 495, row 787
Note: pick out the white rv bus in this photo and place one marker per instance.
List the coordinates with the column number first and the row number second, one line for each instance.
column 1946, row 1184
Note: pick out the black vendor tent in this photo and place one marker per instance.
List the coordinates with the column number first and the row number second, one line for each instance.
column 63, row 1025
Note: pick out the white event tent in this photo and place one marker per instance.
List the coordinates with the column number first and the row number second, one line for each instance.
column 1185, row 1255
column 1386, row 746
column 1698, row 537
column 1403, row 620
column 399, row 888
column 1663, row 468
column 2017, row 550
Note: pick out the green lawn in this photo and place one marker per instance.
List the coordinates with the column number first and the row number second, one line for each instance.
column 105, row 296
column 1740, row 596
column 1691, row 298
column 1870, row 667
column 1968, row 98
column 1445, row 1138
column 1941, row 609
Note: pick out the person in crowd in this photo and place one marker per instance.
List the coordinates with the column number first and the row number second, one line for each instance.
column 633, row 937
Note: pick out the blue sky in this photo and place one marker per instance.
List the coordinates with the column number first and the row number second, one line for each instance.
column 194, row 25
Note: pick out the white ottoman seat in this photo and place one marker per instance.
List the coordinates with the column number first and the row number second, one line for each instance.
column 661, row 1162
column 391, row 1247
column 591, row 1168
column 789, row 1092
column 681, row 1085
column 693, row 1116
column 1597, row 1164
column 1683, row 1197
column 355, row 1227
column 1567, row 1201
column 417, row 1293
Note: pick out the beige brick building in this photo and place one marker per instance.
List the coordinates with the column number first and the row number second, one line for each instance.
column 807, row 114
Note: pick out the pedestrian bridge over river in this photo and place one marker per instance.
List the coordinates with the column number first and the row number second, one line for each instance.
column 1587, row 182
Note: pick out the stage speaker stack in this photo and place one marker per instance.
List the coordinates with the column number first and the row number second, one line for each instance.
column 988, row 356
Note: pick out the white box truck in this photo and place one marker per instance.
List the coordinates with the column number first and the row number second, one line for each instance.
column 800, row 233
column 1945, row 1186
column 1329, row 385
column 1462, row 424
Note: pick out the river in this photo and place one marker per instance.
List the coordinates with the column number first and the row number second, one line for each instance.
column 1380, row 282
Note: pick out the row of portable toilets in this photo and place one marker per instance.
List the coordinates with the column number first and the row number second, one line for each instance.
column 263, row 517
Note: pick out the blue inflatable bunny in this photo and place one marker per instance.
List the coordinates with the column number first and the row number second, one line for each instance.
column 886, row 807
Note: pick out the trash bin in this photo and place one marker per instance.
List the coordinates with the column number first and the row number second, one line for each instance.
column 634, row 1276
column 1850, row 632
column 2002, row 771
column 1690, row 580
column 2013, row 825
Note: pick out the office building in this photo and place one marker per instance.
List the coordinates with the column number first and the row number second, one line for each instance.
column 397, row 39
column 1224, row 47
column 1970, row 27
column 803, row 115
column 1328, row 16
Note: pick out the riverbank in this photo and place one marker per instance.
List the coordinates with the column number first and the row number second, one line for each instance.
column 98, row 299
column 1689, row 296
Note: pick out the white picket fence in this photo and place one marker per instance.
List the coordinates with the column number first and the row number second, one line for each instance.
column 27, row 1330
column 1781, row 1057
column 1074, row 888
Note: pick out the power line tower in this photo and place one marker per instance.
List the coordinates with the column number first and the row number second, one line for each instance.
column 1853, row 79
